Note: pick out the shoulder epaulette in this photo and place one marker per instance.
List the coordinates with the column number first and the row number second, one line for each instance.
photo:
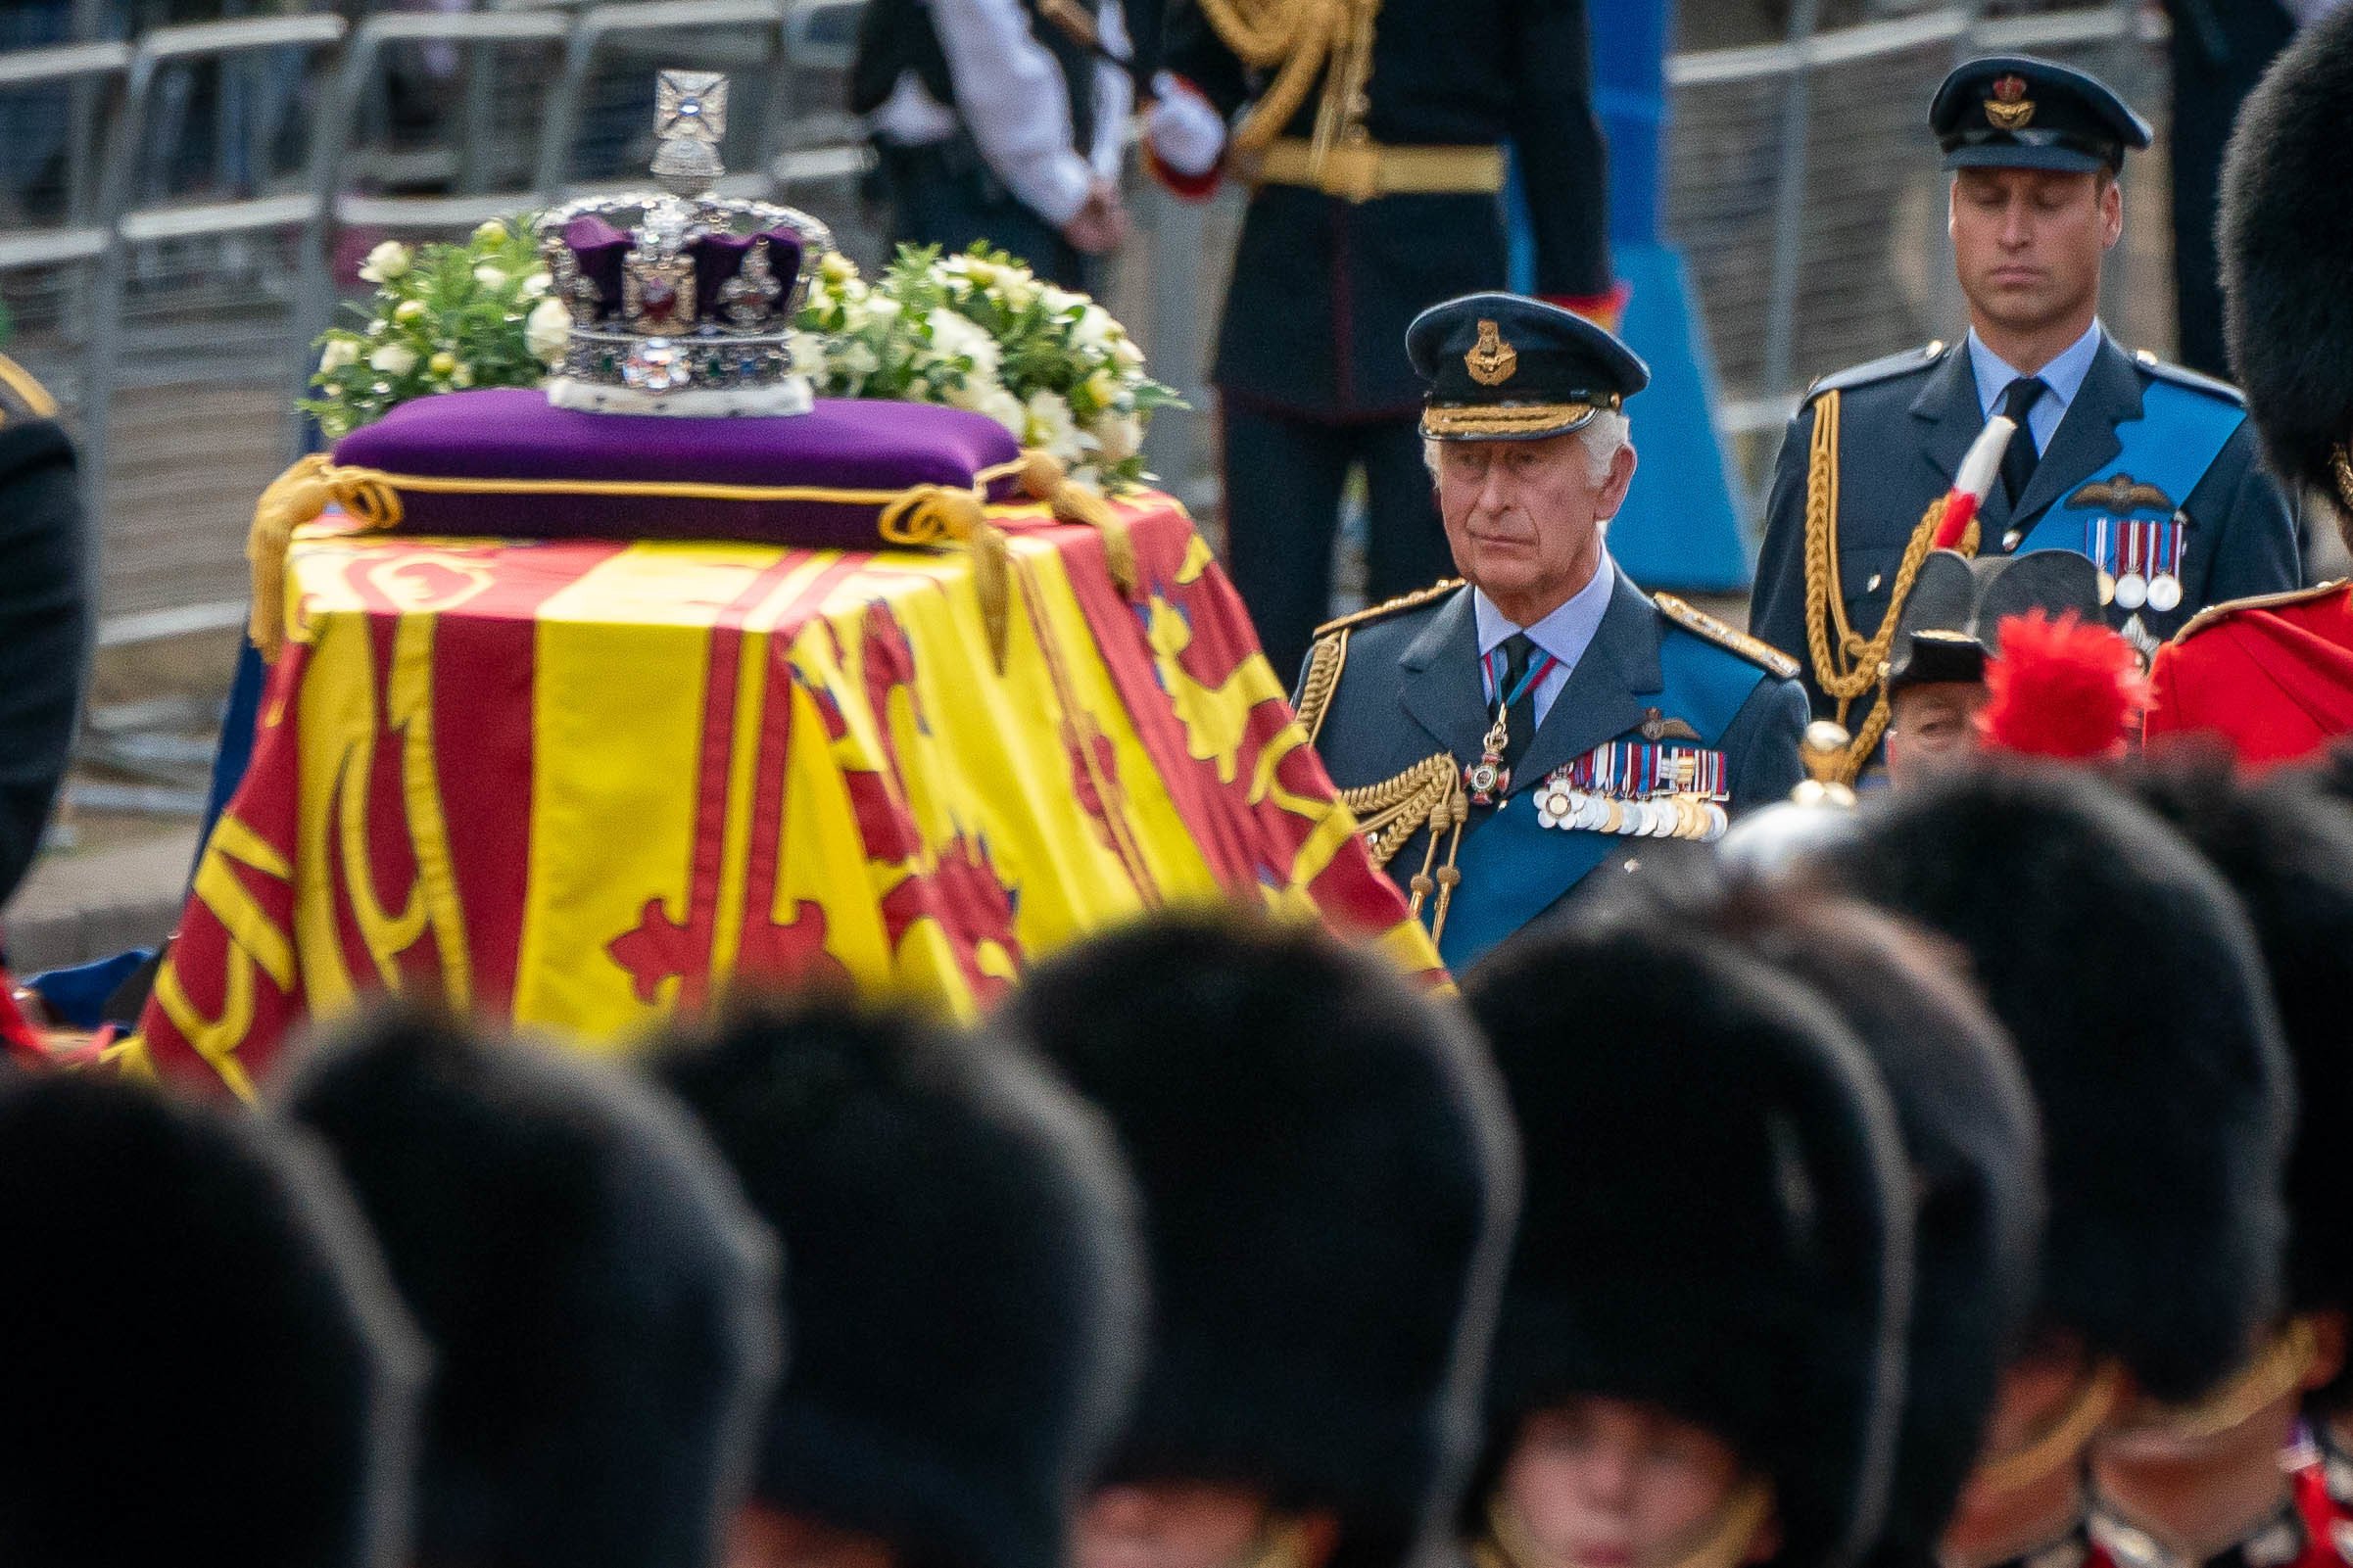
column 21, row 396
column 2216, row 614
column 1700, row 623
column 2184, row 376
column 1908, row 362
column 1396, row 606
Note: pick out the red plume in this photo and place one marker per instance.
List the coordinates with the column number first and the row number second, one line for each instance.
column 2061, row 689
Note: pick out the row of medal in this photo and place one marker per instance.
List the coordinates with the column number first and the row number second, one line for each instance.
column 1638, row 789
column 2140, row 561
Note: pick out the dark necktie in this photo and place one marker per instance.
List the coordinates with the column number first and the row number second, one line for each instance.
column 2018, row 461
column 1520, row 718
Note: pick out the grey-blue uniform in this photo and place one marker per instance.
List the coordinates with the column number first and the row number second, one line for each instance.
column 45, row 614
column 2153, row 470
column 1667, row 721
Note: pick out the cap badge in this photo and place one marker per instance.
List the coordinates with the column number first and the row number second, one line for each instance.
column 1491, row 361
column 2010, row 109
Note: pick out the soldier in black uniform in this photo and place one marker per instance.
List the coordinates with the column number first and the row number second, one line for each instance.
column 2148, row 469
column 45, row 614
column 1375, row 148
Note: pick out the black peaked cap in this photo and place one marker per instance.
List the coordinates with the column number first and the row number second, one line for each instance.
column 1328, row 1175
column 594, row 1290
column 965, row 1288
column 206, row 1354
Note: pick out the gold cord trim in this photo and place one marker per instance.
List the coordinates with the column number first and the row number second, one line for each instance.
column 924, row 515
column 2059, row 1441
column 1324, row 662
column 2340, row 463
column 1503, row 418
column 1720, row 1540
column 1855, row 667
column 1429, row 794
column 1296, row 39
column 2270, row 1377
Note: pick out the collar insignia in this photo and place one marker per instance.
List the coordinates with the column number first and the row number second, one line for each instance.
column 1491, row 361
column 2010, row 109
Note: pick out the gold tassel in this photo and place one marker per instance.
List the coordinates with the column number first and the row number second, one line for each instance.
column 930, row 513
column 1043, row 478
column 296, row 497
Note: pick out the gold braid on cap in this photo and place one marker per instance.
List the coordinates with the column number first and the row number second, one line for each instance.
column 1855, row 667
column 1507, row 418
column 1719, row 1540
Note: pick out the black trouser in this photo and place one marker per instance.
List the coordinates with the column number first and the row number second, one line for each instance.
column 1283, row 478
column 944, row 194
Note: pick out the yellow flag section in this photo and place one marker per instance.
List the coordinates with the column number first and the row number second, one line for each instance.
column 589, row 783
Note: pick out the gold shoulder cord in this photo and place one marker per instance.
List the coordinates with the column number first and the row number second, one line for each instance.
column 1295, row 38
column 1855, row 668
column 1429, row 794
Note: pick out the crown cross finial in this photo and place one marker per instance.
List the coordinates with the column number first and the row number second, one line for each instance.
column 689, row 117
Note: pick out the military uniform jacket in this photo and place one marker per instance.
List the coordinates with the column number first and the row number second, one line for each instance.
column 1324, row 288
column 45, row 614
column 1904, row 426
column 1408, row 687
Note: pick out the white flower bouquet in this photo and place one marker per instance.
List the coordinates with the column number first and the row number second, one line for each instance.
column 975, row 331
column 980, row 332
column 444, row 317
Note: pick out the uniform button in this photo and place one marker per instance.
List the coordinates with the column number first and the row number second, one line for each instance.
column 1872, row 587
column 2009, row 541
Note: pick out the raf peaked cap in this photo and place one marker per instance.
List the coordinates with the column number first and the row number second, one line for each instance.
column 963, row 1280
column 2017, row 112
column 1951, row 623
column 1718, row 1217
column 1505, row 368
column 1327, row 1171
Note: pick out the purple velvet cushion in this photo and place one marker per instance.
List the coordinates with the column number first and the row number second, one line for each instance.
column 511, row 433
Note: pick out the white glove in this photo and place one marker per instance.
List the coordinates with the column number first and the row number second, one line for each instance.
column 1187, row 132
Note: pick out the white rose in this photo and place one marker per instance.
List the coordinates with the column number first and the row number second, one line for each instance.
column 1120, row 436
column 980, row 393
column 882, row 308
column 393, row 359
column 490, row 232
column 462, row 376
column 385, row 263
column 1060, row 301
column 1005, row 408
column 956, row 338
column 1095, row 329
column 340, row 353
column 490, row 277
column 858, row 359
column 537, row 284
column 548, row 329
column 836, row 268
column 1051, row 427
column 1126, row 354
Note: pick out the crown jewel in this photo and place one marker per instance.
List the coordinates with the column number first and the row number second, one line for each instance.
column 682, row 300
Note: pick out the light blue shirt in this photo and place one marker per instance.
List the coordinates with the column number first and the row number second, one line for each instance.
column 1565, row 634
column 2064, row 376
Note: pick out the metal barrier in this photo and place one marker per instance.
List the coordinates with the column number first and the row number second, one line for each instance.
column 1801, row 187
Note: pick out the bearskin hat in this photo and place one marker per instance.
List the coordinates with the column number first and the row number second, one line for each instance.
column 206, row 1354
column 2287, row 229
column 1327, row 1173
column 1975, row 1148
column 2129, row 982
column 2287, row 850
column 1718, row 1217
column 964, row 1284
column 595, row 1292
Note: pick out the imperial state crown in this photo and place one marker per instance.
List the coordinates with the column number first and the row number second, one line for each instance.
column 682, row 300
